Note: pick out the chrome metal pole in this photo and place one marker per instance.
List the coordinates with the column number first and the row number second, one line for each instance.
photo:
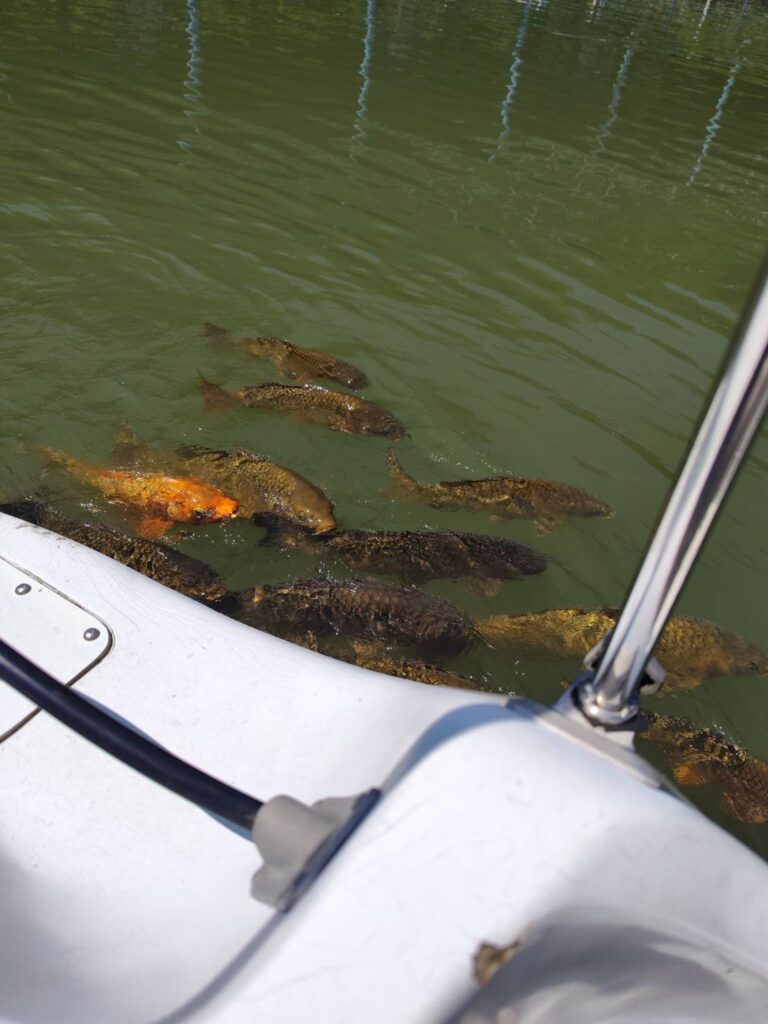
column 734, row 414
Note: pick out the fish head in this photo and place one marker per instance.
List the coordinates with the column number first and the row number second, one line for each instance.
column 214, row 512
column 315, row 514
column 750, row 660
column 588, row 505
column 201, row 505
column 281, row 529
column 378, row 421
column 197, row 580
column 353, row 378
column 731, row 654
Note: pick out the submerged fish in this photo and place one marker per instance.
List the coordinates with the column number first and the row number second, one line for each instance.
column 690, row 650
column 265, row 490
column 162, row 500
column 546, row 502
column 377, row 659
column 706, row 756
column 302, row 364
column 413, row 555
column 336, row 410
column 354, row 608
column 157, row 561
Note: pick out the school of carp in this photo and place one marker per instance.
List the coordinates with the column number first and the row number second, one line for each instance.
column 388, row 627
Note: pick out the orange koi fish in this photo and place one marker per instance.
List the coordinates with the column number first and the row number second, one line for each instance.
column 162, row 500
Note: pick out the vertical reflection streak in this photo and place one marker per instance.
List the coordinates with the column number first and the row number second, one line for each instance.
column 704, row 14
column 613, row 107
column 514, row 76
column 193, row 80
column 713, row 127
column 361, row 116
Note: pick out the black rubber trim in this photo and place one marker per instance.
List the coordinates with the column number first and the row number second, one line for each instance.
column 69, row 707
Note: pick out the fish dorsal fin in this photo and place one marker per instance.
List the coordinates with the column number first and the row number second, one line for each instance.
column 215, row 333
column 214, row 397
column 244, row 453
column 130, row 451
column 127, row 445
column 193, row 451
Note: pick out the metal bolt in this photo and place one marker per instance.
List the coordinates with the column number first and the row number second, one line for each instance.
column 23, row 588
column 91, row 634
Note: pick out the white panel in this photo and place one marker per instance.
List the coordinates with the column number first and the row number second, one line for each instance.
column 55, row 634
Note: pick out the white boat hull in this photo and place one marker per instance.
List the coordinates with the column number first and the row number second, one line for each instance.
column 499, row 824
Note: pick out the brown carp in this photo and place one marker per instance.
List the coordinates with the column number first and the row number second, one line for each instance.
column 355, row 608
column 702, row 756
column 416, row 555
column 265, row 490
column 157, row 561
column 334, row 409
column 690, row 650
column 301, row 364
column 161, row 499
column 546, row 502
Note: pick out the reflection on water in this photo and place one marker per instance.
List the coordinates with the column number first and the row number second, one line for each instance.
column 361, row 117
column 514, row 75
column 713, row 127
column 613, row 108
column 193, row 81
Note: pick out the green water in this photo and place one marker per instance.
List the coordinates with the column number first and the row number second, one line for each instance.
column 533, row 225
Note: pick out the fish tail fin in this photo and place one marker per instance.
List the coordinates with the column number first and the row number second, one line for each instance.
column 214, row 397
column 216, row 335
column 78, row 469
column 401, row 482
column 54, row 456
column 488, row 630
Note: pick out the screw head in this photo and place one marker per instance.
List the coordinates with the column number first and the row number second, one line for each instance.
column 22, row 588
column 91, row 634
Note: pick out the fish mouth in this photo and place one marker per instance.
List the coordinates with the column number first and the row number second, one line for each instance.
column 318, row 531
